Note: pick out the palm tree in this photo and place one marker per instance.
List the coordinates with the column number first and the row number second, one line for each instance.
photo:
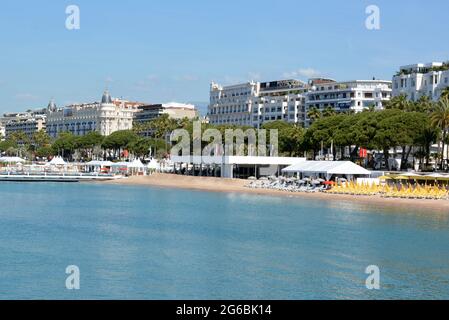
column 329, row 112
column 440, row 119
column 399, row 102
column 314, row 114
column 445, row 93
column 424, row 104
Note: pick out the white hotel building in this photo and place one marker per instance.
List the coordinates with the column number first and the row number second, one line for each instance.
column 418, row 80
column 105, row 117
column 255, row 103
column 28, row 122
column 357, row 95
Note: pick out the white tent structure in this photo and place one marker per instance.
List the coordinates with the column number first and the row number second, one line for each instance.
column 136, row 167
column 98, row 163
column 136, row 164
column 120, row 164
column 11, row 160
column 327, row 169
column 57, row 161
column 153, row 165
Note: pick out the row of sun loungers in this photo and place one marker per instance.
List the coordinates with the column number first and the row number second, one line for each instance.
column 404, row 192
column 285, row 186
column 351, row 188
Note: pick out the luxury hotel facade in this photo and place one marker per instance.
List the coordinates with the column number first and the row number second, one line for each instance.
column 104, row 117
column 418, row 80
column 255, row 103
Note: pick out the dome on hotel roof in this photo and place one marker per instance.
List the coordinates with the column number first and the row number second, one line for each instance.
column 106, row 99
column 51, row 105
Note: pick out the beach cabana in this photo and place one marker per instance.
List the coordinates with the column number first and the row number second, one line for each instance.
column 57, row 164
column 119, row 167
column 327, row 169
column 57, row 161
column 98, row 165
column 153, row 165
column 136, row 167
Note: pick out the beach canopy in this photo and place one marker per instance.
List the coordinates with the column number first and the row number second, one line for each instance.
column 136, row 164
column 11, row 160
column 120, row 164
column 98, row 163
column 327, row 167
column 153, row 164
column 57, row 161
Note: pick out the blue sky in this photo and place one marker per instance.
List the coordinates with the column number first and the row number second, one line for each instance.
column 162, row 51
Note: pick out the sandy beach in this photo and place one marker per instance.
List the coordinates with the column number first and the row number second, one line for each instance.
column 239, row 186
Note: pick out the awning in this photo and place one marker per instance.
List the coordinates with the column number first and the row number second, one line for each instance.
column 97, row 163
column 327, row 167
column 11, row 160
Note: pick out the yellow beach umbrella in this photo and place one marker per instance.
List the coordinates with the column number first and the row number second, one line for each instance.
column 401, row 178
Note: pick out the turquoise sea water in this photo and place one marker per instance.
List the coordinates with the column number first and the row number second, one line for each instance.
column 150, row 243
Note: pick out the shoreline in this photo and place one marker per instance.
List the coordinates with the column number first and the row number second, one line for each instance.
column 221, row 185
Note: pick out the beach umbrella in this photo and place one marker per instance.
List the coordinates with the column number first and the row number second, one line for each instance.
column 301, row 182
column 263, row 179
column 252, row 178
column 316, row 182
column 385, row 178
column 307, row 179
column 329, row 183
column 320, row 180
